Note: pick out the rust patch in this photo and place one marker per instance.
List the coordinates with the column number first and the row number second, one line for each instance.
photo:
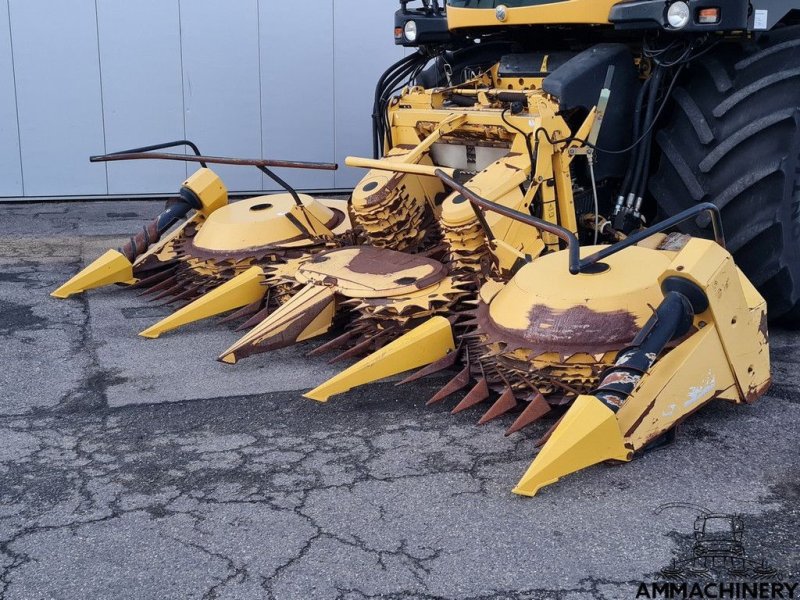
column 580, row 325
column 674, row 241
column 382, row 261
column 512, row 359
column 385, row 190
column 262, row 252
column 641, row 418
column 622, row 377
column 755, row 392
column 763, row 326
column 139, row 243
column 577, row 329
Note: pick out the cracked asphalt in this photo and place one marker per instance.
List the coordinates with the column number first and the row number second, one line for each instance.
column 133, row 468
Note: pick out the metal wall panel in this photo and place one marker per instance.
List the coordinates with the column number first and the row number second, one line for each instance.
column 58, row 96
column 140, row 66
column 297, row 87
column 245, row 77
column 364, row 48
column 221, row 87
column 10, row 166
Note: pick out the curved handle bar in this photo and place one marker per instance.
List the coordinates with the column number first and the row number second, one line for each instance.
column 576, row 264
column 146, row 153
column 152, row 147
column 218, row 160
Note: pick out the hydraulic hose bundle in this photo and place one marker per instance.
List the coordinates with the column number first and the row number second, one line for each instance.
column 629, row 201
column 395, row 77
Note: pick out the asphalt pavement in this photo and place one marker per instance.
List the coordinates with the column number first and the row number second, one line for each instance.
column 135, row 468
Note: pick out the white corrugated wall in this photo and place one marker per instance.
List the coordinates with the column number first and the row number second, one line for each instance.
column 254, row 78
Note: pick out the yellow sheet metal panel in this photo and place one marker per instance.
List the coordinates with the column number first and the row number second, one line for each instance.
column 421, row 346
column 111, row 267
column 621, row 296
column 366, row 272
column 257, row 222
column 246, row 288
column 209, row 188
column 500, row 183
column 738, row 312
column 678, row 384
column 588, row 434
column 551, row 13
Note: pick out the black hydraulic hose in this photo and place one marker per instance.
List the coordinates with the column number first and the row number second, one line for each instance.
column 377, row 117
column 162, row 146
column 383, row 109
column 527, row 136
column 637, row 141
column 637, row 128
column 647, row 145
column 672, row 320
column 402, row 70
column 652, row 96
column 152, row 232
column 390, row 84
column 398, row 79
column 292, row 192
column 380, row 86
column 648, row 151
column 463, row 101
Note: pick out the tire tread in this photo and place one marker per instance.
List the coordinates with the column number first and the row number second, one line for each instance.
column 734, row 140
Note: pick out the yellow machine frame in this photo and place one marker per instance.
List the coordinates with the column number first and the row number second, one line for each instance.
column 419, row 118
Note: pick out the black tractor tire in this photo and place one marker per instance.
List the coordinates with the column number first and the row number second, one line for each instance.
column 733, row 138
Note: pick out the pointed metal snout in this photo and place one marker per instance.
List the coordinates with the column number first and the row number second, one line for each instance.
column 423, row 345
column 587, row 435
column 111, row 267
column 308, row 314
column 243, row 290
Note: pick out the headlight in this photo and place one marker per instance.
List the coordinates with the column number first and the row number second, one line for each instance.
column 678, row 15
column 410, row 31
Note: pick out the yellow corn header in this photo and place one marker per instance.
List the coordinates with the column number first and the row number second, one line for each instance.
column 516, row 227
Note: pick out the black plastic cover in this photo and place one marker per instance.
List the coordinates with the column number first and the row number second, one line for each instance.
column 530, row 64
column 652, row 14
column 577, row 85
column 431, row 28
